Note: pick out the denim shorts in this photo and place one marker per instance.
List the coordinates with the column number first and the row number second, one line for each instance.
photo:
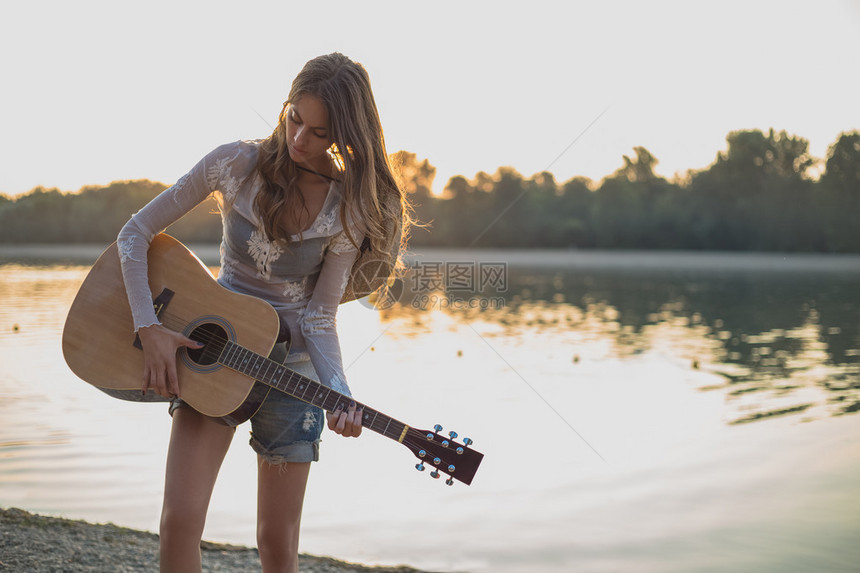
column 285, row 429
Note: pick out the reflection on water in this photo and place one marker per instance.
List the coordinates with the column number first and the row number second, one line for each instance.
column 783, row 342
column 609, row 393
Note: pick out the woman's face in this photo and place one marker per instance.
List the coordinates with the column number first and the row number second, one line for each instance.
column 308, row 134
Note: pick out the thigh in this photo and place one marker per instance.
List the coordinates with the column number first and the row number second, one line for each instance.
column 280, row 491
column 280, row 495
column 197, row 448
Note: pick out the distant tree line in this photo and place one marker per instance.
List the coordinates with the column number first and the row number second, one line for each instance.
column 92, row 215
column 757, row 195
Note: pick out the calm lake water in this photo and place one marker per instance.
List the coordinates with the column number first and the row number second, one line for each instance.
column 637, row 411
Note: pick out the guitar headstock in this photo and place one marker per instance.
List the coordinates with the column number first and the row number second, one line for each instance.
column 443, row 454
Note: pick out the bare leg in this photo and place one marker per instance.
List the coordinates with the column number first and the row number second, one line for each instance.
column 197, row 449
column 280, row 494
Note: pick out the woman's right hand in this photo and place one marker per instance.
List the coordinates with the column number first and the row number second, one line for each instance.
column 159, row 358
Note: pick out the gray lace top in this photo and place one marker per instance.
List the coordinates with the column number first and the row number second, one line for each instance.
column 304, row 281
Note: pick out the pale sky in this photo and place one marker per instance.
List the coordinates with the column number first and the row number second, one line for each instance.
column 99, row 91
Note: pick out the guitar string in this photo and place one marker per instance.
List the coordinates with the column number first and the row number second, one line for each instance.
column 210, row 337
column 177, row 324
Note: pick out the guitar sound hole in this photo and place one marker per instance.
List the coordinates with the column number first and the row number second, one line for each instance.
column 214, row 338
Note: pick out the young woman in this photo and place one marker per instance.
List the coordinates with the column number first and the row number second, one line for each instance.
column 297, row 208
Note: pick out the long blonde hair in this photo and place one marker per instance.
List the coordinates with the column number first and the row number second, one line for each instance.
column 371, row 195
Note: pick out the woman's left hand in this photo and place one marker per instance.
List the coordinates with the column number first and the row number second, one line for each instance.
column 347, row 422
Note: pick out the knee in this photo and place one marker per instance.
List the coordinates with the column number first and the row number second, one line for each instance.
column 179, row 543
column 178, row 527
column 280, row 541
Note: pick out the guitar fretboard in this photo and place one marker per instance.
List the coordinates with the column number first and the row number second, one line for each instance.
column 280, row 377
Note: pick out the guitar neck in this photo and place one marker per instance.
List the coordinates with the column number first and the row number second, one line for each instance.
column 281, row 378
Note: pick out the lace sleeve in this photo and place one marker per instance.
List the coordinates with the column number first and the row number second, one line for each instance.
column 134, row 238
column 318, row 320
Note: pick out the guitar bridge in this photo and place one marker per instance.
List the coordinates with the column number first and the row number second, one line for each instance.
column 159, row 303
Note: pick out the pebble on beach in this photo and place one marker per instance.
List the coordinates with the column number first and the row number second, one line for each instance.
column 37, row 544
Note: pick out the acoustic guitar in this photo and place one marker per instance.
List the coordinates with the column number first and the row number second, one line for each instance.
column 228, row 377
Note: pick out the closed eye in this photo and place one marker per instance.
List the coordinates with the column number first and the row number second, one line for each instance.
column 317, row 131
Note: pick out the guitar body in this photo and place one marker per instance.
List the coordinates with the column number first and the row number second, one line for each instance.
column 99, row 339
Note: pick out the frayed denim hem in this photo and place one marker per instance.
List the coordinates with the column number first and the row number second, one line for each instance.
column 297, row 452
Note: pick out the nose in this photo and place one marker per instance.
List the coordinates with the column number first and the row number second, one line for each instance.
column 298, row 134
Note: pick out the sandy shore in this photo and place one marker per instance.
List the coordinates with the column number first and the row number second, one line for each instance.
column 32, row 543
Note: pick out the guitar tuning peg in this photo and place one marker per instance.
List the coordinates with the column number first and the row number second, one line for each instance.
column 467, row 441
column 438, row 428
column 453, row 435
column 449, row 481
column 434, row 474
column 419, row 466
